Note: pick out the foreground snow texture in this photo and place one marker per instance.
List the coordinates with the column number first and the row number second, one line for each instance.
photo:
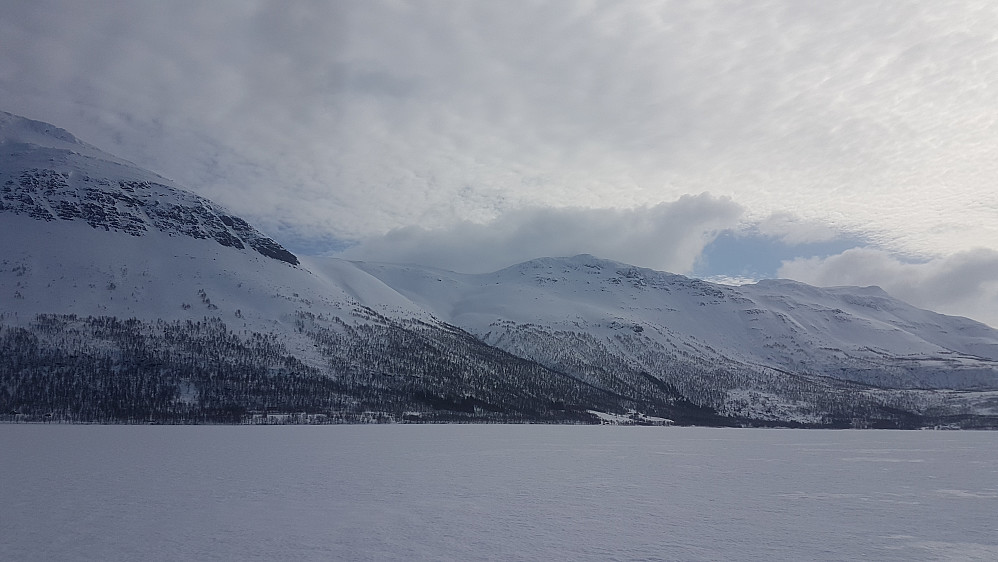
column 495, row 492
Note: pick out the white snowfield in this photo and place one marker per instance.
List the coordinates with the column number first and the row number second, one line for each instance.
column 495, row 492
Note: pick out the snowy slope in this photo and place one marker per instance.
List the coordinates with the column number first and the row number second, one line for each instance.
column 89, row 234
column 85, row 232
column 852, row 333
column 110, row 274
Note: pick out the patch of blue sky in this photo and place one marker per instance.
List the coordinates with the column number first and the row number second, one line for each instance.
column 752, row 256
column 304, row 245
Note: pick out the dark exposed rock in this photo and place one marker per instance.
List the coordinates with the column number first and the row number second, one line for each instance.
column 132, row 207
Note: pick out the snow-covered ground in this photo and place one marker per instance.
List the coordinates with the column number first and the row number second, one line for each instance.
column 460, row 492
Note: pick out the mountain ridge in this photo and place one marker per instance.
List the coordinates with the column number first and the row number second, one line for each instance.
column 129, row 298
column 58, row 183
column 582, row 293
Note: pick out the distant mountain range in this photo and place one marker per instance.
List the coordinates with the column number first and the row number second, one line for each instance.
column 125, row 298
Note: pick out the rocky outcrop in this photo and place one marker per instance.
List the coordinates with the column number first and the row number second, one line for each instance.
column 131, row 207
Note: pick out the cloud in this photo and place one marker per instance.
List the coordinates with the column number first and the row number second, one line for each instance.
column 965, row 284
column 733, row 280
column 791, row 230
column 351, row 119
column 667, row 236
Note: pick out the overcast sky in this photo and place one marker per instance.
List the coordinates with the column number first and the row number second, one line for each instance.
column 834, row 142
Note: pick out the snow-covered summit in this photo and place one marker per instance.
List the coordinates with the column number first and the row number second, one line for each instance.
column 89, row 234
column 19, row 130
column 48, row 174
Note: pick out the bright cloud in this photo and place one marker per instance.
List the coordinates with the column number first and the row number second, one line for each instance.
column 361, row 117
column 792, row 230
column 964, row 284
column 668, row 236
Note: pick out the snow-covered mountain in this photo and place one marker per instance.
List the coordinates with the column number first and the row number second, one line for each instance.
column 87, row 233
column 853, row 333
column 124, row 297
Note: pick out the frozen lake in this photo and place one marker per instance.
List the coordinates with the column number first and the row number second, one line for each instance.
column 494, row 492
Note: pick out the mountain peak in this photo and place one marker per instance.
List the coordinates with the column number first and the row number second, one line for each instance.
column 568, row 263
column 17, row 129
column 48, row 174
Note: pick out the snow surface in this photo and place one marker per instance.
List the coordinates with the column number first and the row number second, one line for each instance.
column 494, row 493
